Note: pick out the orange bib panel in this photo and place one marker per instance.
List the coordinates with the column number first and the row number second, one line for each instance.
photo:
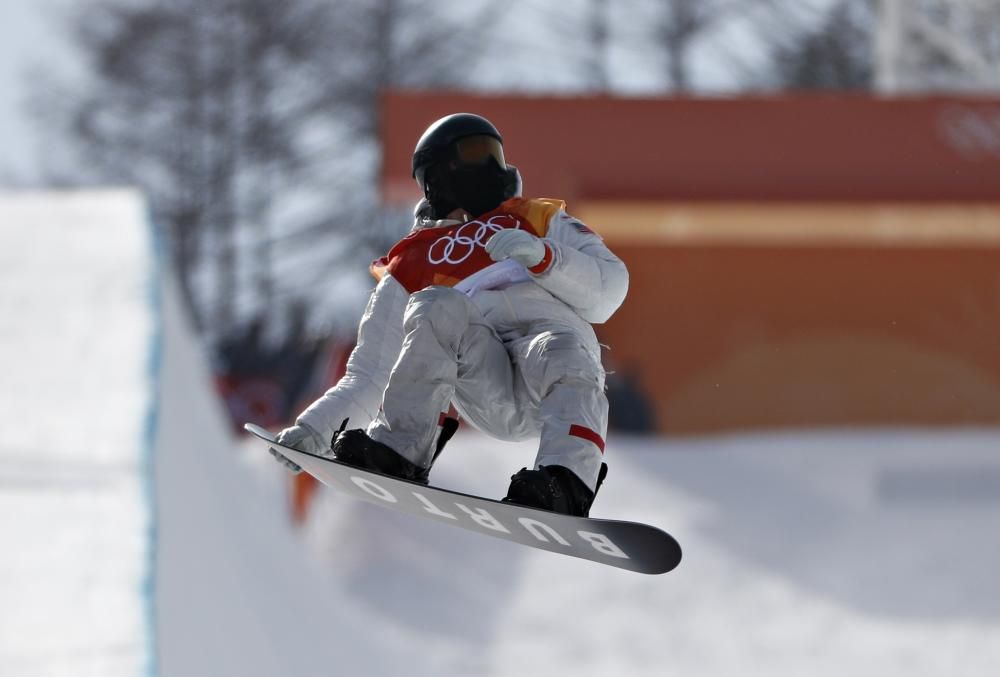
column 446, row 255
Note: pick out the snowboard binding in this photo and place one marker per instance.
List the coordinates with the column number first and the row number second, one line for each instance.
column 555, row 488
column 357, row 449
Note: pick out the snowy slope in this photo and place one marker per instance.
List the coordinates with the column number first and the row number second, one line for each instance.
column 77, row 329
column 237, row 593
column 135, row 537
column 818, row 553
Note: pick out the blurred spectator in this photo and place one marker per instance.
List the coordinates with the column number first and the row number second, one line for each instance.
column 630, row 407
column 264, row 383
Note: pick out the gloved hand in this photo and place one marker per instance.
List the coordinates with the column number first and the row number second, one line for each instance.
column 303, row 438
column 520, row 245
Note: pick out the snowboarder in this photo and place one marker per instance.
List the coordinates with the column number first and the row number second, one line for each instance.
column 487, row 305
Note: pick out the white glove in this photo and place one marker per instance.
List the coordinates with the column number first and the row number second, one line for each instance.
column 303, row 438
column 519, row 245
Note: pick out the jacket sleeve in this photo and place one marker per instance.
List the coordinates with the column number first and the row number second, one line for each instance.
column 358, row 394
column 580, row 270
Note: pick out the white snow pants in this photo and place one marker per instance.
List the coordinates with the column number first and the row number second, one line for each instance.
column 545, row 383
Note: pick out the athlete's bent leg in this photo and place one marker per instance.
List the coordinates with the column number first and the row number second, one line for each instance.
column 446, row 341
column 567, row 381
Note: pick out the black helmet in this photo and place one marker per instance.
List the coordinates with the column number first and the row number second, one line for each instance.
column 459, row 162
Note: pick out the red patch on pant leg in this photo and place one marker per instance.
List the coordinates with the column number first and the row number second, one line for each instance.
column 587, row 434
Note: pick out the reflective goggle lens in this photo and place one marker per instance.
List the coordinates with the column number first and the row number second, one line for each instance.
column 474, row 150
column 469, row 150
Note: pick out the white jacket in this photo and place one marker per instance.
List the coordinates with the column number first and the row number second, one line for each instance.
column 584, row 283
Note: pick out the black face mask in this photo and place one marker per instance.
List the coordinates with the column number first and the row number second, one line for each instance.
column 480, row 188
column 475, row 188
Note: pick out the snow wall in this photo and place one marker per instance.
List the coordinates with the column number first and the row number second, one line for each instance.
column 79, row 332
column 137, row 538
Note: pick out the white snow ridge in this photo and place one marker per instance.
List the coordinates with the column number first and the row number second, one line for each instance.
column 134, row 537
column 137, row 538
column 78, row 329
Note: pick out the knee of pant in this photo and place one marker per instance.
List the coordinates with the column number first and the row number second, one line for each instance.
column 443, row 308
column 562, row 358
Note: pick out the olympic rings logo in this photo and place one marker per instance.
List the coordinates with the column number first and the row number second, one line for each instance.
column 460, row 245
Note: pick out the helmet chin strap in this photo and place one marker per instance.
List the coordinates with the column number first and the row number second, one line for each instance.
column 440, row 194
column 512, row 182
column 441, row 204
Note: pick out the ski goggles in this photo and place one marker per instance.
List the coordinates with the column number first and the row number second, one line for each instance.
column 469, row 151
column 478, row 149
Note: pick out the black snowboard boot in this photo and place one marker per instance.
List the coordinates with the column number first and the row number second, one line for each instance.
column 355, row 448
column 555, row 488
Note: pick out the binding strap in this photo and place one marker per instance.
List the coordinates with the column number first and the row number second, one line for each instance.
column 448, row 427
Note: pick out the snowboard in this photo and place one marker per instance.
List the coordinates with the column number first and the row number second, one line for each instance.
column 625, row 545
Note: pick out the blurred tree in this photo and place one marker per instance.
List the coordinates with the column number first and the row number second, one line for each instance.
column 679, row 26
column 251, row 125
column 599, row 36
column 406, row 44
column 836, row 53
column 940, row 45
column 376, row 45
column 550, row 47
column 652, row 44
column 199, row 102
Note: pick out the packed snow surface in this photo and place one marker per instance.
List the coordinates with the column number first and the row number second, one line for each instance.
column 813, row 553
